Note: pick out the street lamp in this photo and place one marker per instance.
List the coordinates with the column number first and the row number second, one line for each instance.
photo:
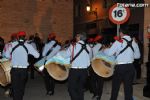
column 88, row 8
column 146, row 90
column 91, row 11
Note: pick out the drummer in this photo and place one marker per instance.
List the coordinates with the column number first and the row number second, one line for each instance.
column 50, row 49
column 126, row 50
column 13, row 38
column 96, row 81
column 80, row 61
column 19, row 64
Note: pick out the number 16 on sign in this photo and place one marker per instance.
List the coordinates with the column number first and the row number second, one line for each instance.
column 119, row 15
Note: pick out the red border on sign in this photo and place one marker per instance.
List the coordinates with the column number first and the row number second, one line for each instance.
column 119, row 22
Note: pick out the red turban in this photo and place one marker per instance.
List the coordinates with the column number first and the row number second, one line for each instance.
column 21, row 33
column 98, row 37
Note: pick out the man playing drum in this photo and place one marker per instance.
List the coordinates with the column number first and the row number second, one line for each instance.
column 50, row 49
column 13, row 38
column 18, row 54
column 126, row 50
column 80, row 61
column 95, row 81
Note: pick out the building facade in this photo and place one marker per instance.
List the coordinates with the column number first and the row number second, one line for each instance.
column 37, row 16
column 85, row 21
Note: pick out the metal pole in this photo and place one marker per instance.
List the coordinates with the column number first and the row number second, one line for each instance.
column 118, row 27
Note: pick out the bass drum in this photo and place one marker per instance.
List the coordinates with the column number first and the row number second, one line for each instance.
column 58, row 67
column 103, row 65
column 5, row 68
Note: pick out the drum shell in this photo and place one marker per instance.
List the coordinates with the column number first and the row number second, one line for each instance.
column 5, row 68
column 57, row 71
column 102, row 68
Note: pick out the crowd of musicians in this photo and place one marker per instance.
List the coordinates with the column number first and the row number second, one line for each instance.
column 23, row 53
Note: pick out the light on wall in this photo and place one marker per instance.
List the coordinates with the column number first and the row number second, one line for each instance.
column 90, row 10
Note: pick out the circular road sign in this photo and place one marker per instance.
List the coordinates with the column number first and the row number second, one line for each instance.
column 119, row 15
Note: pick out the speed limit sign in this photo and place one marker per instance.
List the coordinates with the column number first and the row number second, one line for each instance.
column 119, row 15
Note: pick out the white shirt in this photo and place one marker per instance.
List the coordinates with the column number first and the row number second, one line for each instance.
column 83, row 60
column 33, row 44
column 96, row 49
column 128, row 55
column 6, row 47
column 19, row 56
column 48, row 46
column 106, row 51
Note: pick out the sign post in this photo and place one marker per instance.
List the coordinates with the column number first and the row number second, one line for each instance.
column 119, row 15
column 118, row 27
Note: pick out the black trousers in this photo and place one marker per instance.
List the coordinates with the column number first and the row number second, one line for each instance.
column 97, row 83
column 137, row 67
column 76, row 82
column 19, row 78
column 31, row 61
column 49, row 81
column 124, row 73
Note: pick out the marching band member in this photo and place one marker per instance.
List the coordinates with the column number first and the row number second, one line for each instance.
column 18, row 54
column 80, row 61
column 50, row 49
column 96, row 81
column 137, row 62
column 89, row 81
column 125, row 50
column 13, row 38
column 31, row 59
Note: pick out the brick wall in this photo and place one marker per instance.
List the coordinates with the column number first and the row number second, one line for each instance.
column 42, row 16
column 146, row 23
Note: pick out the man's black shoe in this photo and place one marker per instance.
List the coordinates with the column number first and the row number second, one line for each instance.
column 50, row 93
column 95, row 97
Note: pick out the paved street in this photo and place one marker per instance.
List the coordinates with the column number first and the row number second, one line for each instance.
column 35, row 91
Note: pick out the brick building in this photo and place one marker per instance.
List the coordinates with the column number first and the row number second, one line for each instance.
column 42, row 16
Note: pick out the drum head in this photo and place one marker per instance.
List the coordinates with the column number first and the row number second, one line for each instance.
column 57, row 71
column 3, row 80
column 102, row 68
column 5, row 73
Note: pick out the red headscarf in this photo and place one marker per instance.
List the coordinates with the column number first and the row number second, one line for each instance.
column 90, row 40
column 118, row 39
column 14, row 35
column 51, row 36
column 97, row 38
column 21, row 33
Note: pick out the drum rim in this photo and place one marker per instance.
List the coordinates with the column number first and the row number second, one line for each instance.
column 56, row 78
column 105, row 76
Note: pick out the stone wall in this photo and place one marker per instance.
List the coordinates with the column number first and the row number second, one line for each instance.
column 31, row 16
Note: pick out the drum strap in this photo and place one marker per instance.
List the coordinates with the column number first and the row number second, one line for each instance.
column 129, row 44
column 20, row 44
column 100, row 48
column 72, row 55
column 50, row 50
column 82, row 48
